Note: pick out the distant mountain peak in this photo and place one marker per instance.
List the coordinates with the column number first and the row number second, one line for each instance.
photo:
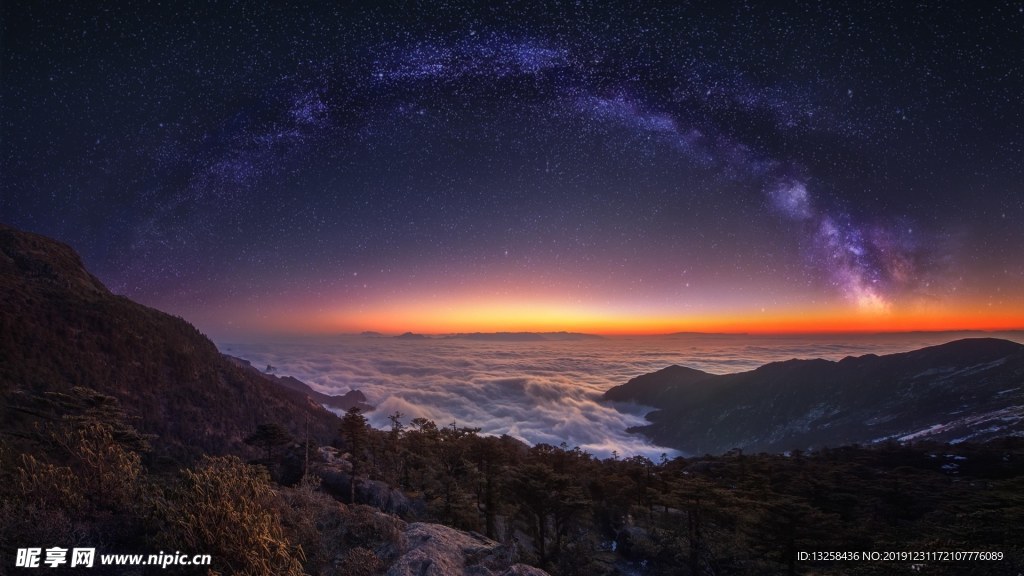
column 677, row 371
column 648, row 388
column 969, row 349
column 523, row 336
column 351, row 399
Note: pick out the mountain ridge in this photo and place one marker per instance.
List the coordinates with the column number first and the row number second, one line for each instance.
column 943, row 392
column 522, row 336
column 61, row 329
column 343, row 402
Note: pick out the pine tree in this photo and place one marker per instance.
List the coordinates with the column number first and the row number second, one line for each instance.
column 268, row 437
column 355, row 433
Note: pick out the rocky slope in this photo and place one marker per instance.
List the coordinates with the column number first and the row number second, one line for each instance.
column 970, row 389
column 436, row 550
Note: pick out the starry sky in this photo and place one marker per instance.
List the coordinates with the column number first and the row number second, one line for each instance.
column 604, row 167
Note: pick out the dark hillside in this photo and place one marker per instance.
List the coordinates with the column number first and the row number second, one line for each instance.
column 60, row 328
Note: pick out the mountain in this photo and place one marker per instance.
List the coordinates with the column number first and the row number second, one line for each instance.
column 523, row 336
column 675, row 383
column 970, row 389
column 350, row 399
column 61, row 329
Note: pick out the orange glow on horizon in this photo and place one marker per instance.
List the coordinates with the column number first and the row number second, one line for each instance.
column 465, row 315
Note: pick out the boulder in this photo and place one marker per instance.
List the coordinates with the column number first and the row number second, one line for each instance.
column 436, row 550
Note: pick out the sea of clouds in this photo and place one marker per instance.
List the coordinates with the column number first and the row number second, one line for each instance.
column 540, row 392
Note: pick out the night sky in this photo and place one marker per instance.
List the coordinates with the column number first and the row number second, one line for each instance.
column 443, row 167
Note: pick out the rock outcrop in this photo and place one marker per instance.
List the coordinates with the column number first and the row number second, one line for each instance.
column 436, row 550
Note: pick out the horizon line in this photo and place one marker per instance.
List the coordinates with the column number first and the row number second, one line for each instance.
column 622, row 334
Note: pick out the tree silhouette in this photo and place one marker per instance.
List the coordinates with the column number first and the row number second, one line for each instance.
column 269, row 436
column 355, row 432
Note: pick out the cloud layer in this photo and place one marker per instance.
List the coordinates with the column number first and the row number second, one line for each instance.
column 536, row 391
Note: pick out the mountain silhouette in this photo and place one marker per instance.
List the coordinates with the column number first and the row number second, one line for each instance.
column 61, row 329
column 970, row 389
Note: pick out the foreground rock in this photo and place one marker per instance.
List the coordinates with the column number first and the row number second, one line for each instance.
column 436, row 550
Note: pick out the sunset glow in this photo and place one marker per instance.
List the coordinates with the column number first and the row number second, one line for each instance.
column 458, row 315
